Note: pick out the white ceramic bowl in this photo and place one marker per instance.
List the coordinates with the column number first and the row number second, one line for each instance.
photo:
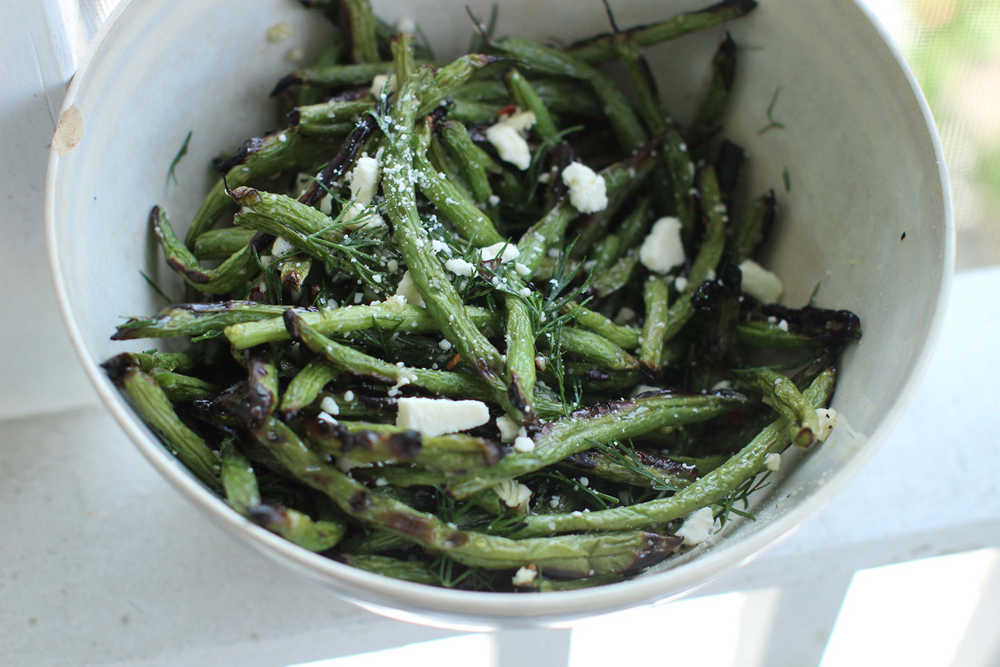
column 858, row 144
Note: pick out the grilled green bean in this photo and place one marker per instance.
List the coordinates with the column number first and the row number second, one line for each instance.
column 603, row 47
column 579, row 432
column 155, row 409
column 654, row 327
column 229, row 275
column 707, row 490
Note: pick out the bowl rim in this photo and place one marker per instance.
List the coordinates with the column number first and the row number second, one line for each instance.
column 483, row 610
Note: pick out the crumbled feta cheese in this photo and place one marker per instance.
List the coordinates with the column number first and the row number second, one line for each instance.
column 348, row 395
column 437, row 416
column 760, row 283
column 827, row 420
column 522, row 270
column 395, row 302
column 281, row 247
column 554, row 253
column 554, row 501
column 545, row 178
column 508, row 428
column 625, row 315
column 541, row 363
column 525, row 292
column 513, row 494
column 783, row 325
column 722, row 385
column 408, row 290
column 510, row 145
column 662, row 249
column 523, row 443
column 773, row 462
column 493, row 200
column 382, row 84
column 522, row 121
column 324, row 417
column 584, row 481
column 680, row 283
column 444, row 344
column 525, row 576
column 381, row 481
column 364, row 179
column 506, row 252
column 587, row 190
column 359, row 297
column 329, row 406
column 697, row 526
column 460, row 267
column 392, row 266
column 438, row 245
column 326, row 204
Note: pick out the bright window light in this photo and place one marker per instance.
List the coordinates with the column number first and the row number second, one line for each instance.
column 914, row 613
column 712, row 631
column 463, row 651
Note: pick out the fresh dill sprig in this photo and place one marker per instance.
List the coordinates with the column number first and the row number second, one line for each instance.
column 269, row 272
column 600, row 499
column 772, row 124
column 171, row 176
column 624, row 454
column 483, row 34
column 741, row 495
column 156, row 288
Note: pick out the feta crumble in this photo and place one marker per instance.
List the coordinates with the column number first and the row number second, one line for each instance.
column 382, row 84
column 697, row 527
column 281, row 247
column 437, row 416
column 525, row 576
column 588, row 192
column 408, row 290
column 364, row 181
column 505, row 252
column 625, row 315
column 662, row 249
column 510, row 145
column 509, row 429
column 460, row 267
column 329, row 406
column 493, row 200
column 760, row 283
column 827, row 420
column 523, row 443
column 773, row 462
column 513, row 494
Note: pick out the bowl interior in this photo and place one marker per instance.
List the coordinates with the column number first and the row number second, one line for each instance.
column 864, row 213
